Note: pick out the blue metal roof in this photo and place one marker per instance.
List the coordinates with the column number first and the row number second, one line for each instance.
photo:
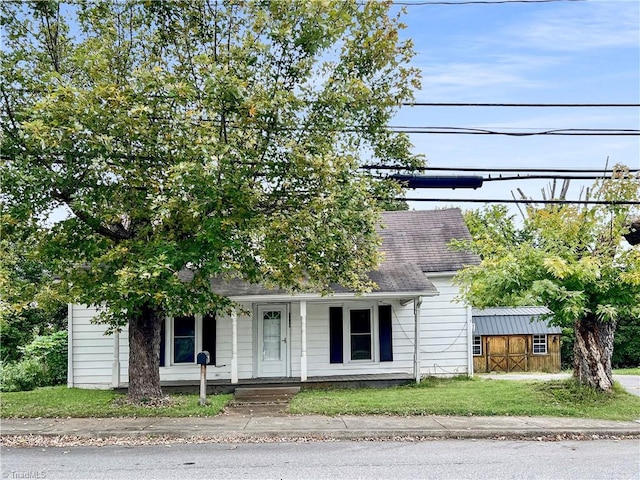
column 512, row 321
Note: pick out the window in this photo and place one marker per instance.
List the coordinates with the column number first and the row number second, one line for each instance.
column 184, row 339
column 360, row 332
column 539, row 344
column 181, row 338
column 477, row 345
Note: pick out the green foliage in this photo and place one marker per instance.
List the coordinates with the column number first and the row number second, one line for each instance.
column 626, row 345
column 60, row 402
column 472, row 397
column 43, row 362
column 199, row 139
column 571, row 259
column 52, row 351
column 24, row 375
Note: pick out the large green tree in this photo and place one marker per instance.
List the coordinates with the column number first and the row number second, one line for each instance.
column 172, row 142
column 573, row 259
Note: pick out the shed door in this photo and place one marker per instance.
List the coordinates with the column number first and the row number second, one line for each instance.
column 272, row 341
column 517, row 354
column 497, row 357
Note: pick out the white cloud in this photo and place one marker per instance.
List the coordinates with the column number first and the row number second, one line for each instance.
column 580, row 27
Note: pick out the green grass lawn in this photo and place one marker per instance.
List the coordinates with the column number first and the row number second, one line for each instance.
column 627, row 371
column 462, row 396
column 73, row 402
column 457, row 396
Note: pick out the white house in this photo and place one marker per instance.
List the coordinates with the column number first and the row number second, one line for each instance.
column 410, row 326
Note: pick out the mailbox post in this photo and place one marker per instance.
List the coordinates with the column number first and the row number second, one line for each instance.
column 202, row 360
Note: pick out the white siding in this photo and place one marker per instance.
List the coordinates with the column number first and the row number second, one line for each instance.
column 444, row 335
column 92, row 351
column 318, row 341
column 444, row 342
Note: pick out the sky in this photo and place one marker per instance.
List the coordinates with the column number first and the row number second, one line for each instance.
column 555, row 52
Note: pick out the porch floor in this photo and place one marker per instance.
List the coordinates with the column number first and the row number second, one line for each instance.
column 377, row 380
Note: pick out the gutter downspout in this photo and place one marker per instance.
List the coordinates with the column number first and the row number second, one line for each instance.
column 115, row 368
column 234, row 346
column 70, row 345
column 303, row 346
column 469, row 343
column 417, row 306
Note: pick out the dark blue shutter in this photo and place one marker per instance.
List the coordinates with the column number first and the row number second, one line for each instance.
column 384, row 332
column 209, row 336
column 162, row 341
column 335, row 335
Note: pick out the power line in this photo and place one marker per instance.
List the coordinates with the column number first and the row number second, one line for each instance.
column 587, row 132
column 528, row 105
column 500, row 169
column 494, row 200
column 544, row 177
column 473, row 2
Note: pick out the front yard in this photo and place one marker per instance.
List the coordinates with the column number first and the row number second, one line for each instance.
column 457, row 396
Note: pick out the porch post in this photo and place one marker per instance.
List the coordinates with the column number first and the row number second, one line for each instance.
column 234, row 346
column 115, row 368
column 303, row 349
column 417, row 304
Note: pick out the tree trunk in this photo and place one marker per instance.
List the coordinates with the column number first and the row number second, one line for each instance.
column 144, row 355
column 592, row 353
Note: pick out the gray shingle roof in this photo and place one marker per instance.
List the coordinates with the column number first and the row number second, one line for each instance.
column 421, row 237
column 512, row 321
column 413, row 242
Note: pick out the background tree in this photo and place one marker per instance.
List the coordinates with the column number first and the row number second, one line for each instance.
column 574, row 260
column 190, row 139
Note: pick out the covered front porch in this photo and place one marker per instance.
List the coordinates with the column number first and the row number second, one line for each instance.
column 379, row 380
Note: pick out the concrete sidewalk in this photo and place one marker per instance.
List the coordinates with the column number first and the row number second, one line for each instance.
column 313, row 426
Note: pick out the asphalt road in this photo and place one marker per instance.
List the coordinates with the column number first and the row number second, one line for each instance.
column 447, row 459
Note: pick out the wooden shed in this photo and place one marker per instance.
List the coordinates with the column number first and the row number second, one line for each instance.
column 515, row 339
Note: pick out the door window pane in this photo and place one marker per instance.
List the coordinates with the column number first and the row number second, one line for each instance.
column 271, row 339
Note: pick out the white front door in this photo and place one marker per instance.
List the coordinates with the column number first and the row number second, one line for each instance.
column 273, row 322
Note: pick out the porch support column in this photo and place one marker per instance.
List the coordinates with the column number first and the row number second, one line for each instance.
column 234, row 346
column 303, row 347
column 417, row 305
column 115, row 368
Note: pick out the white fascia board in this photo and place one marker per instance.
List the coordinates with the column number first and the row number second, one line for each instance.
column 330, row 298
column 440, row 274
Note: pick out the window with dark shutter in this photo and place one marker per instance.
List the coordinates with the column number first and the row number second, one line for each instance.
column 335, row 335
column 385, row 333
column 209, row 336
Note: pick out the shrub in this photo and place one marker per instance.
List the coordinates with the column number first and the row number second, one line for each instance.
column 52, row 351
column 43, row 363
column 26, row 374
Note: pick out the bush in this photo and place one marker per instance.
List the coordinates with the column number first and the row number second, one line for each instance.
column 52, row 350
column 24, row 375
column 43, row 363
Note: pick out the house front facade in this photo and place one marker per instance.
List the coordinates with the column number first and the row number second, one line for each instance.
column 408, row 327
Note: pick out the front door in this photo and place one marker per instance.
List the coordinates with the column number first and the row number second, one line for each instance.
column 273, row 322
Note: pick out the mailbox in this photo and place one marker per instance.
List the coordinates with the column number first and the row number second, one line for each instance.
column 203, row 358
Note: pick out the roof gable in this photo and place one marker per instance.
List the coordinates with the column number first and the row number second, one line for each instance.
column 421, row 238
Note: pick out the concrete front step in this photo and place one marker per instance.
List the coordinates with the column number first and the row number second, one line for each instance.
column 264, row 395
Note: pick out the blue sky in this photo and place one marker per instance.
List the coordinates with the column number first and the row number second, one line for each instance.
column 560, row 52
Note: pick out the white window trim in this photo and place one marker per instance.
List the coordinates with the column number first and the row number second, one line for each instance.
column 346, row 331
column 168, row 342
column 534, row 343
column 473, row 345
